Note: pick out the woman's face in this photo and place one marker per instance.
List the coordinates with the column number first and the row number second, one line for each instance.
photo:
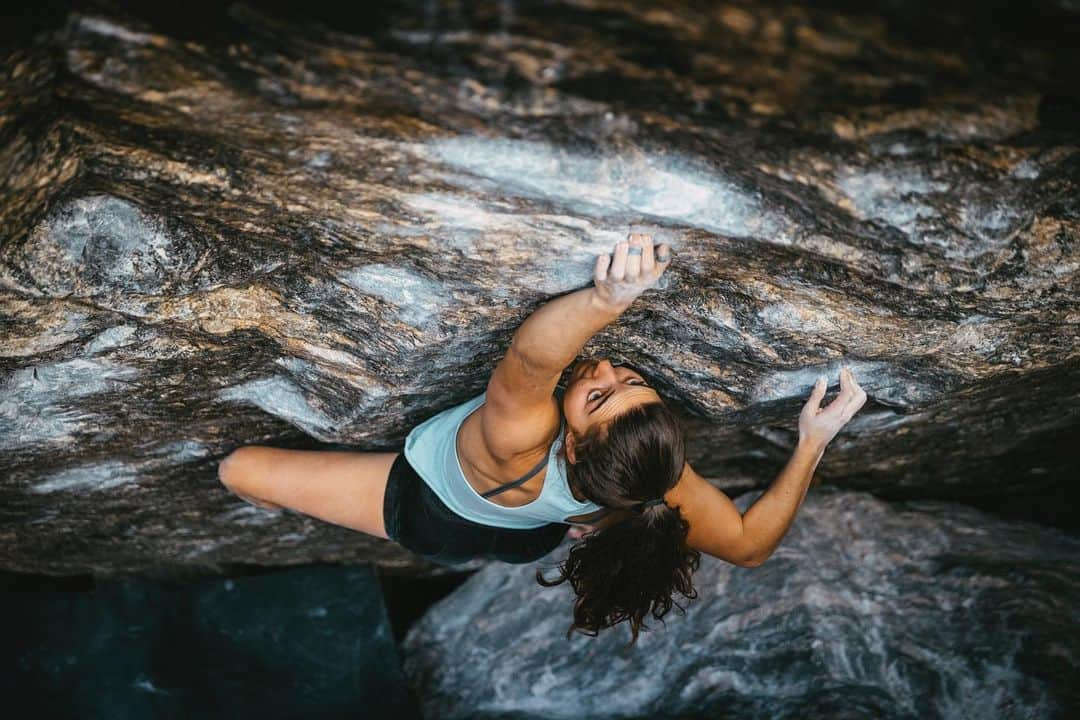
column 598, row 392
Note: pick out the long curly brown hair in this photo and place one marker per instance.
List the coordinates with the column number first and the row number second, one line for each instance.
column 630, row 569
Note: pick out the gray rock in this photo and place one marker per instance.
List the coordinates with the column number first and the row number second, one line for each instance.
column 924, row 609
column 239, row 228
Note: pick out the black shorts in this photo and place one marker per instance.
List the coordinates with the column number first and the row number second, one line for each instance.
column 418, row 520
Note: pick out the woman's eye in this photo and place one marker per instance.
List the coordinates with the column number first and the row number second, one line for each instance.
column 590, row 397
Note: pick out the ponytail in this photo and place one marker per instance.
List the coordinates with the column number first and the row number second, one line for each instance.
column 629, row 570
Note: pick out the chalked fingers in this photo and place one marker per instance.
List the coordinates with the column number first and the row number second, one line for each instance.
column 635, row 262
column 624, row 275
column 617, row 272
column 856, row 395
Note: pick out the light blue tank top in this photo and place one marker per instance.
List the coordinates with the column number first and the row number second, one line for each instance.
column 431, row 448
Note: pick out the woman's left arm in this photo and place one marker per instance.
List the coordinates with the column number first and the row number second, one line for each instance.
column 554, row 334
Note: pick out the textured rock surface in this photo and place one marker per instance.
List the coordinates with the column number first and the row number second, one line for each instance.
column 924, row 609
column 226, row 226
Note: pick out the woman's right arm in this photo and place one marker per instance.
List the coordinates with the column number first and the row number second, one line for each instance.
column 747, row 540
column 767, row 521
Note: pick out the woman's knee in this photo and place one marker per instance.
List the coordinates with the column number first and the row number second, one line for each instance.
column 231, row 467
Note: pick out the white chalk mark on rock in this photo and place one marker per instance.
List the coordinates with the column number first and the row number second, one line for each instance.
column 664, row 187
column 416, row 297
column 282, row 398
column 35, row 402
column 100, row 476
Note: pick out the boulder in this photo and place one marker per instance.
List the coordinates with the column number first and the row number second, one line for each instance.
column 868, row 609
column 247, row 226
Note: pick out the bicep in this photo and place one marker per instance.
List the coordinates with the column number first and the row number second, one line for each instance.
column 520, row 407
column 716, row 525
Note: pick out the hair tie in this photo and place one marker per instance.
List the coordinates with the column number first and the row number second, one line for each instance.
column 649, row 503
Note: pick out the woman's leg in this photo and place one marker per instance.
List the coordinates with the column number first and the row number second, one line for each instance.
column 343, row 488
column 258, row 503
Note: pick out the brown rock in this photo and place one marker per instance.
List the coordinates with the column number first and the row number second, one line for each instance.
column 245, row 228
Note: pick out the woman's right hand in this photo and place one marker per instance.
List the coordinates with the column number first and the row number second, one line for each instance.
column 818, row 425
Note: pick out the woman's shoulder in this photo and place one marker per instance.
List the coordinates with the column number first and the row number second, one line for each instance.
column 527, row 436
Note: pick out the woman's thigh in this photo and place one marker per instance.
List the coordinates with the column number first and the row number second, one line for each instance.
column 340, row 487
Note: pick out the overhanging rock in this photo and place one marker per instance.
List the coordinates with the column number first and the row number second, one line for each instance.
column 311, row 237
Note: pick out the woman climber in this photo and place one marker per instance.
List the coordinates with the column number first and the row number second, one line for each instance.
column 505, row 474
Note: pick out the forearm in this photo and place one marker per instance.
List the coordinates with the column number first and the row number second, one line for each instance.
column 767, row 521
column 555, row 333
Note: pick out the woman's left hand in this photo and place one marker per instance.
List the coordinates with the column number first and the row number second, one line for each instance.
column 619, row 281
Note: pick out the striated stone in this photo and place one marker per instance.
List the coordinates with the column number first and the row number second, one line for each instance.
column 246, row 226
column 867, row 610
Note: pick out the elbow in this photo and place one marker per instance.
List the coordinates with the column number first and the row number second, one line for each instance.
column 753, row 559
column 746, row 560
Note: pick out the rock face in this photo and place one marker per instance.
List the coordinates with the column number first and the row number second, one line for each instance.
column 238, row 226
column 924, row 609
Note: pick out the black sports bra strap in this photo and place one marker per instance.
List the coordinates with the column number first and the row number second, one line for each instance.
column 516, row 483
